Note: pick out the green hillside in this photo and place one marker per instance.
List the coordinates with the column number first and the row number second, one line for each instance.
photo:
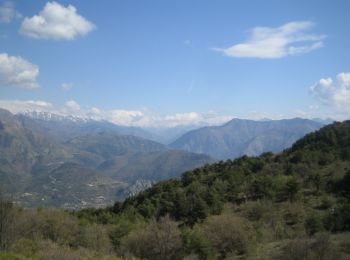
column 313, row 166
column 292, row 205
column 299, row 193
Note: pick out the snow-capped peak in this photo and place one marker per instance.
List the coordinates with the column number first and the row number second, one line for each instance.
column 47, row 116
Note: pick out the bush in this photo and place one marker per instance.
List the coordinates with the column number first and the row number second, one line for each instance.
column 314, row 224
column 319, row 248
column 95, row 237
column 327, row 202
column 228, row 234
column 288, row 188
column 11, row 256
column 257, row 210
column 160, row 240
column 293, row 214
column 26, row 247
column 196, row 244
column 339, row 218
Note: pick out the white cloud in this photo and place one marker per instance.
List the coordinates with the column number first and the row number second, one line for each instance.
column 138, row 118
column 16, row 71
column 269, row 42
column 72, row 105
column 95, row 110
column 66, row 86
column 333, row 93
column 148, row 119
column 56, row 22
column 8, row 12
column 18, row 106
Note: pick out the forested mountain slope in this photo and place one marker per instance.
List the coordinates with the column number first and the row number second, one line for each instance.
column 290, row 205
column 315, row 164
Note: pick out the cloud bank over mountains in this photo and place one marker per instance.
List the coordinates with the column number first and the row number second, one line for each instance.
column 139, row 118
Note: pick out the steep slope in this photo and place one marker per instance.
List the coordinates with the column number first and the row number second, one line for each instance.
column 20, row 150
column 239, row 137
column 38, row 169
column 71, row 186
column 153, row 166
column 63, row 128
column 109, row 145
column 314, row 172
column 35, row 170
column 131, row 159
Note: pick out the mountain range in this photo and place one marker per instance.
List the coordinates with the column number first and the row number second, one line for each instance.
column 245, row 137
column 74, row 164
column 51, row 160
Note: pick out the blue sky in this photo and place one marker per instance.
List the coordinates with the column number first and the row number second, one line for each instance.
column 154, row 63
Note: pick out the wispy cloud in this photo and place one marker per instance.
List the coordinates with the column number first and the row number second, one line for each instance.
column 334, row 94
column 73, row 105
column 19, row 106
column 191, row 86
column 67, row 86
column 269, row 42
column 18, row 72
column 56, row 22
column 8, row 12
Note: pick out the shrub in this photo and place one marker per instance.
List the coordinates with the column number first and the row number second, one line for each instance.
column 288, row 188
column 314, row 224
column 227, row 233
column 319, row 248
column 255, row 211
column 160, row 240
column 196, row 244
column 338, row 219
column 95, row 237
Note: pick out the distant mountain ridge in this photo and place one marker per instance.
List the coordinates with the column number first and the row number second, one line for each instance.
column 245, row 137
column 62, row 127
column 48, row 160
column 59, row 163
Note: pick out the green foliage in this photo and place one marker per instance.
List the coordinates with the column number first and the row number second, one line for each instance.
column 319, row 248
column 339, row 218
column 196, row 243
column 11, row 256
column 228, row 234
column 342, row 187
column 124, row 226
column 307, row 168
column 160, row 240
column 271, row 206
column 287, row 188
column 314, row 223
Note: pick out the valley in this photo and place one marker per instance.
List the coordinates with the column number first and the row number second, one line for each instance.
column 54, row 161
